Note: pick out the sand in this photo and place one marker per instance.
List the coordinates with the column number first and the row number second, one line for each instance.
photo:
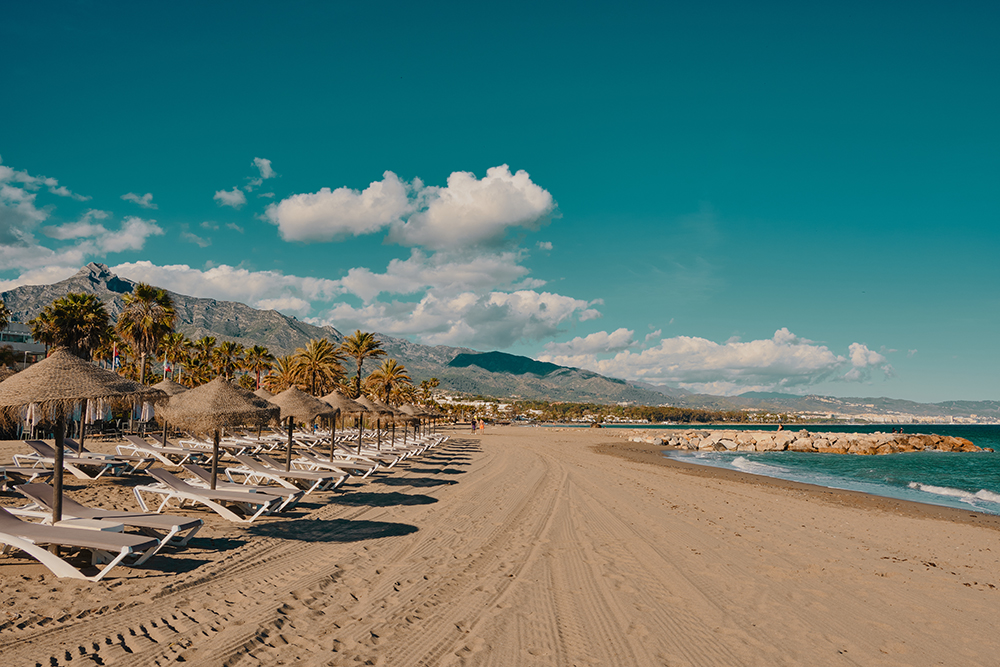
column 535, row 546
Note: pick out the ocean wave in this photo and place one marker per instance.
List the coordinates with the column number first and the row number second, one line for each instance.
column 746, row 465
column 966, row 496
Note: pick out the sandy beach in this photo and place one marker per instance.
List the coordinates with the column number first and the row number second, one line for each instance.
column 533, row 546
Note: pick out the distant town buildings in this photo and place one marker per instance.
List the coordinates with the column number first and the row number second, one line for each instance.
column 26, row 349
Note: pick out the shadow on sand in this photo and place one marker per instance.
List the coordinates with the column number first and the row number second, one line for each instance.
column 414, row 481
column 336, row 530
column 382, row 499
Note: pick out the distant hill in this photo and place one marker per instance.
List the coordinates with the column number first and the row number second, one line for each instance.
column 460, row 369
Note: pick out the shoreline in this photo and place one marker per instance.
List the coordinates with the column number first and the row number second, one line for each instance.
column 652, row 455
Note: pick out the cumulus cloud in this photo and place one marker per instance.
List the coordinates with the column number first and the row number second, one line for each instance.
column 467, row 212
column 286, row 304
column 333, row 214
column 132, row 235
column 190, row 237
column 233, row 226
column 145, row 201
column 74, row 230
column 264, row 167
column 494, row 320
column 441, row 272
column 595, row 343
column 545, row 245
column 782, row 361
column 234, row 198
column 230, row 283
column 470, row 211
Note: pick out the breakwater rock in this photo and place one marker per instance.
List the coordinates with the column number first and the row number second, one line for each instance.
column 803, row 441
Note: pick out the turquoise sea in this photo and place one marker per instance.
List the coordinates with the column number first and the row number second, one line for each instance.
column 963, row 480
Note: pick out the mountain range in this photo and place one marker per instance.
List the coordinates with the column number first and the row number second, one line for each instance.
column 495, row 374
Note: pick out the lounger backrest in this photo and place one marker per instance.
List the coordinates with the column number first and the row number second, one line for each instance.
column 168, row 478
column 41, row 448
column 250, row 463
column 198, row 471
column 45, row 495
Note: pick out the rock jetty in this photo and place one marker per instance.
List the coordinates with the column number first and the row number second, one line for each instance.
column 803, row 441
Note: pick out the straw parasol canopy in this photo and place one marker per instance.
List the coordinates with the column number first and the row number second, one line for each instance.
column 263, row 393
column 6, row 372
column 57, row 385
column 61, row 381
column 170, row 388
column 342, row 403
column 217, row 405
column 370, row 406
column 299, row 405
column 296, row 404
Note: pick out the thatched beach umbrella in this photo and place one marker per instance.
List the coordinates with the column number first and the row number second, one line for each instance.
column 378, row 412
column 170, row 388
column 346, row 407
column 6, row 372
column 394, row 414
column 414, row 412
column 263, row 393
column 57, row 385
column 296, row 404
column 214, row 406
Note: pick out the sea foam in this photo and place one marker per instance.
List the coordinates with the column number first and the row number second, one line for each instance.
column 965, row 496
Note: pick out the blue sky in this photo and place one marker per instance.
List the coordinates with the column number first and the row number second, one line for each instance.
column 719, row 196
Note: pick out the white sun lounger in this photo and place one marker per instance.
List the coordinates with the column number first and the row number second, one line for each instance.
column 172, row 487
column 357, row 467
column 110, row 547
column 167, row 528
column 256, row 472
column 169, row 455
column 203, row 478
column 45, row 454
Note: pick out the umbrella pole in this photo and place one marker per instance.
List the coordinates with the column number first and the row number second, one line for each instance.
column 83, row 425
column 57, row 474
column 164, row 433
column 288, row 450
column 393, row 432
column 378, row 431
column 361, row 425
column 333, row 435
column 215, row 457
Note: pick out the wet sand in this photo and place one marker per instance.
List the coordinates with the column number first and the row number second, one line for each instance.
column 534, row 546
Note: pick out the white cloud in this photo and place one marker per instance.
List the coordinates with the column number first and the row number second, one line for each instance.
column 494, row 320
column 264, row 166
column 145, row 201
column 467, row 212
column 234, row 198
column 332, row 214
column 191, row 237
column 43, row 276
column 601, row 341
column 783, row 361
column 230, row 283
column 440, row 272
column 472, row 212
column 74, row 230
column 233, row 226
column 132, row 235
column 285, row 304
column 545, row 245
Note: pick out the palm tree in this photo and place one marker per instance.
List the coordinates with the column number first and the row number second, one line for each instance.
column 282, row 376
column 174, row 348
column 148, row 315
column 318, row 364
column 258, row 360
column 203, row 347
column 227, row 358
column 78, row 322
column 425, row 389
column 360, row 346
column 4, row 315
column 387, row 377
column 198, row 370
